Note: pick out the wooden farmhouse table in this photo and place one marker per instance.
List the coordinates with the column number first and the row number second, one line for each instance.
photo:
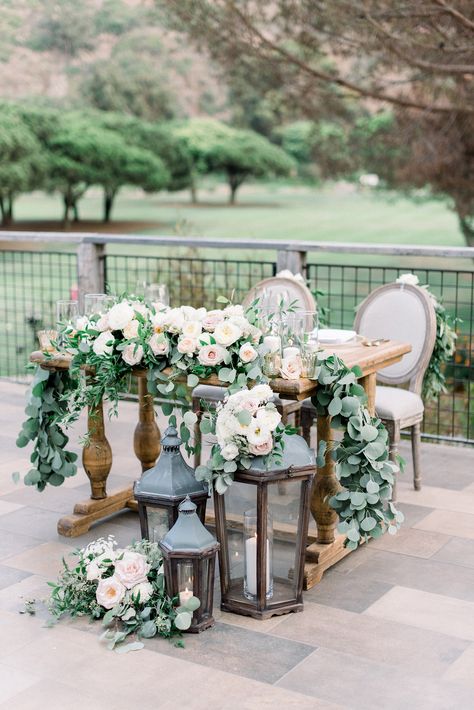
column 324, row 549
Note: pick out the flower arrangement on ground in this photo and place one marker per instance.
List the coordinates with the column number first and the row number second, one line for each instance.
column 434, row 382
column 246, row 424
column 123, row 587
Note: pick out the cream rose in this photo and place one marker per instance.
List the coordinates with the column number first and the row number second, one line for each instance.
column 158, row 321
column 93, row 571
column 120, row 315
column 227, row 333
column 250, row 404
column 257, row 433
column 131, row 329
column 159, row 344
column 109, row 592
column 191, row 328
column 290, row 368
column 132, row 569
column 247, row 353
column 230, row 451
column 187, row 345
column 132, row 354
column 142, row 591
column 262, row 449
column 236, row 310
column 191, row 313
column 410, row 279
column 174, row 320
column 103, row 344
column 270, row 418
column 103, row 323
column 211, row 319
column 211, row 355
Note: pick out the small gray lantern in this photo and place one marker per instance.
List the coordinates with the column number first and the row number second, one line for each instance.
column 189, row 557
column 162, row 488
column 262, row 526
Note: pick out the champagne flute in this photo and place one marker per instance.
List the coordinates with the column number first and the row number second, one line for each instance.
column 95, row 304
column 67, row 313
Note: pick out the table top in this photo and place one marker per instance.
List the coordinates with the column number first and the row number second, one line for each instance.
column 369, row 359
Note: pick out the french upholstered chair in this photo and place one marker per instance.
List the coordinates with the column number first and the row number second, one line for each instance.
column 301, row 297
column 406, row 313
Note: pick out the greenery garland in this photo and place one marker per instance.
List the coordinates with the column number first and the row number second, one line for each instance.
column 362, row 466
column 46, row 410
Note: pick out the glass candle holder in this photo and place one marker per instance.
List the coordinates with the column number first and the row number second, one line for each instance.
column 96, row 303
column 157, row 293
column 251, row 543
column 67, row 313
column 271, row 364
column 185, row 581
column 299, row 328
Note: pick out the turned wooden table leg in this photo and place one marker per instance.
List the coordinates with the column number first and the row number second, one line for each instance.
column 325, row 485
column 369, row 383
column 97, row 454
column 146, row 439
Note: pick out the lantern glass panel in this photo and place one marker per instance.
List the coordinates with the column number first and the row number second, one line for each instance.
column 158, row 523
column 282, row 511
column 185, row 580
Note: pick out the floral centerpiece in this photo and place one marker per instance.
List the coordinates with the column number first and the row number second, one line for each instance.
column 123, row 587
column 245, row 425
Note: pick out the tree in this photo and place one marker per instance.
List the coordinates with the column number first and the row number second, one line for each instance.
column 239, row 154
column 417, row 57
column 66, row 26
column 22, row 161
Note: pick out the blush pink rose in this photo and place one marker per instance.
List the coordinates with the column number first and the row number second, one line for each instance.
column 247, row 353
column 187, row 345
column 211, row 355
column 250, row 405
column 291, row 368
column 110, row 592
column 262, row 449
column 211, row 319
column 132, row 569
column 159, row 345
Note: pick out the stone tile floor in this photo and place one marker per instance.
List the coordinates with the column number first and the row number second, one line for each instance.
column 391, row 626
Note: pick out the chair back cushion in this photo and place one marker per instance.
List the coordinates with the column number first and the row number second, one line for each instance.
column 405, row 313
column 279, row 285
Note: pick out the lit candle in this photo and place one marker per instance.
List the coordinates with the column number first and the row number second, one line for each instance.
column 272, row 343
column 291, row 352
column 251, row 565
column 185, row 596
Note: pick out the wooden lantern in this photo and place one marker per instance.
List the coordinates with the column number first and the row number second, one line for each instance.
column 261, row 524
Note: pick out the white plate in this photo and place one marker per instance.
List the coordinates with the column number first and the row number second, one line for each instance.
column 332, row 336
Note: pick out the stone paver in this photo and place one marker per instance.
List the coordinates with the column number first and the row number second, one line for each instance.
column 390, row 626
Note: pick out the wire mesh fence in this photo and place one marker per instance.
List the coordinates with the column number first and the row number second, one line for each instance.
column 31, row 282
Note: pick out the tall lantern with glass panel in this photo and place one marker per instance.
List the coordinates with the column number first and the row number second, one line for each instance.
column 262, row 525
column 162, row 488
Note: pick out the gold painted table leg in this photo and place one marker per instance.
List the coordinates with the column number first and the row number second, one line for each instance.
column 146, row 440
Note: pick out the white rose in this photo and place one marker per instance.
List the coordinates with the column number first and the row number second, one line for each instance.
column 159, row 306
column 257, row 433
column 103, row 323
column 144, row 589
column 227, row 333
column 191, row 329
column 243, row 324
column 158, row 321
column 410, row 279
column 211, row 319
column 270, row 418
column 140, row 307
column 132, row 354
column 109, row 592
column 187, row 345
column 104, row 344
column 120, row 315
column 224, row 425
column 159, row 344
column 247, row 353
column 212, row 355
column 82, row 322
column 93, row 571
column 291, row 368
column 191, row 313
column 131, row 329
column 174, row 320
column 262, row 392
column 230, row 451
column 132, row 569
column 236, row 310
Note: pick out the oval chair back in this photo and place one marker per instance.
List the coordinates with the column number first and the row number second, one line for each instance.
column 400, row 312
column 276, row 286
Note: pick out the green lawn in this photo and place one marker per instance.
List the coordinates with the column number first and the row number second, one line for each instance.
column 271, row 211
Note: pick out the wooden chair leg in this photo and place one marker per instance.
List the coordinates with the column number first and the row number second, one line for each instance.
column 415, row 449
column 306, row 424
column 393, row 428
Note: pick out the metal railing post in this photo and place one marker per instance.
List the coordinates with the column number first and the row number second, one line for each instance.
column 291, row 260
column 90, row 271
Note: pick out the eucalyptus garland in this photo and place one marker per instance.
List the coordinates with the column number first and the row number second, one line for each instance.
column 434, row 382
column 366, row 474
column 47, row 408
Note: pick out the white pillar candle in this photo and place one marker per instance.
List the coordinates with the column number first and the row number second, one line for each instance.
column 251, row 565
column 291, row 352
column 185, row 596
column 272, row 343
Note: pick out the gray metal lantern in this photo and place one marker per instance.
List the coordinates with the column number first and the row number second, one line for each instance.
column 262, row 526
column 189, row 556
column 162, row 488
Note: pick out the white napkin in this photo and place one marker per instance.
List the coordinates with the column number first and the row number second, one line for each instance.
column 332, row 336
